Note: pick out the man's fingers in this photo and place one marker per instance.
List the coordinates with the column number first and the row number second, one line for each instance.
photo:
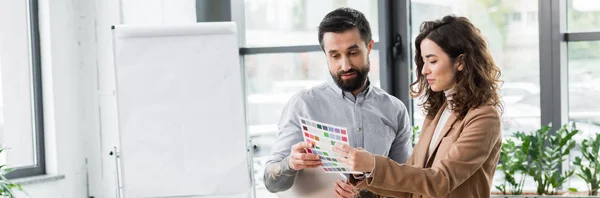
column 304, row 145
column 345, row 186
column 335, row 191
column 305, row 156
column 300, row 146
column 342, row 191
column 306, row 163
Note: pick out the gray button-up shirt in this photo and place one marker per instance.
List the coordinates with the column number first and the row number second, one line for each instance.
column 376, row 121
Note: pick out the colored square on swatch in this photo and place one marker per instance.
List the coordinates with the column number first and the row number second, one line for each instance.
column 324, row 127
column 325, row 153
column 308, row 151
column 317, row 147
column 343, row 169
column 338, row 137
column 326, row 134
column 344, row 132
column 311, row 136
column 305, row 128
column 331, row 130
column 337, row 130
column 303, row 121
column 306, row 134
column 319, row 126
column 334, row 164
column 334, row 160
column 317, row 138
column 332, row 142
column 345, row 139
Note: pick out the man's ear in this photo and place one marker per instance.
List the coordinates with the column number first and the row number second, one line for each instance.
column 460, row 62
column 370, row 46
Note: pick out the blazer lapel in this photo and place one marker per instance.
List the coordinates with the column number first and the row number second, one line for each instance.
column 424, row 141
column 443, row 133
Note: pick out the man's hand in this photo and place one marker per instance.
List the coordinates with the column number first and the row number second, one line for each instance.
column 343, row 190
column 299, row 159
column 357, row 159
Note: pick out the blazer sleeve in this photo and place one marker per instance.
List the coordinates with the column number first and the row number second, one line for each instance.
column 466, row 155
column 360, row 183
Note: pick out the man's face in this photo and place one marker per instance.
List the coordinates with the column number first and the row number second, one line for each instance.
column 348, row 58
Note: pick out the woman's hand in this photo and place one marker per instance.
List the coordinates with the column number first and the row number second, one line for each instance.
column 357, row 159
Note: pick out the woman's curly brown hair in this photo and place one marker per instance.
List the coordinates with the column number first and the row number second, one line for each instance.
column 476, row 85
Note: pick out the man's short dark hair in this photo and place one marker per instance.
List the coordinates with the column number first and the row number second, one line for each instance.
column 343, row 19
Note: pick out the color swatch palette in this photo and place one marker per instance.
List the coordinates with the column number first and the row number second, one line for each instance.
column 324, row 136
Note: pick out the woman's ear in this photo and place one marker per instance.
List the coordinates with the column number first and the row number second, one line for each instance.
column 460, row 62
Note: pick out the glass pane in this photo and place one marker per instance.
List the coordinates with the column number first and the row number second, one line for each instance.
column 584, row 88
column 16, row 129
column 583, row 15
column 295, row 22
column 511, row 30
column 271, row 80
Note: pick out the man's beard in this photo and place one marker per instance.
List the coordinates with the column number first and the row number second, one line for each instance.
column 353, row 83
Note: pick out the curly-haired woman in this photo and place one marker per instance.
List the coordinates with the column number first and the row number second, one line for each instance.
column 458, row 150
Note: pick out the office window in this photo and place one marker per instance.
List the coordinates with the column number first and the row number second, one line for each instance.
column 583, row 15
column 514, row 48
column 20, row 105
column 295, row 22
column 584, row 87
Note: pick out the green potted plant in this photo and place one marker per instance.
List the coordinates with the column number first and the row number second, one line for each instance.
column 415, row 135
column 589, row 167
column 545, row 158
column 537, row 155
column 512, row 162
column 7, row 187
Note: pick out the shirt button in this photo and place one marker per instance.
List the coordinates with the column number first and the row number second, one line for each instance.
column 359, row 129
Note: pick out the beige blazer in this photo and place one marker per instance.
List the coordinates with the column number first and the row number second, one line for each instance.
column 462, row 163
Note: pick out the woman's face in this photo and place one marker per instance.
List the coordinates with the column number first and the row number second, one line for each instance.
column 439, row 69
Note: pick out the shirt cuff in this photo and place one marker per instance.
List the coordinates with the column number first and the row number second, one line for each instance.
column 286, row 166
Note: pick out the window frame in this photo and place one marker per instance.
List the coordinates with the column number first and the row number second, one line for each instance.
column 39, row 168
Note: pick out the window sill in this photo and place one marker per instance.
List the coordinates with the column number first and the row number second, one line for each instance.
column 38, row 179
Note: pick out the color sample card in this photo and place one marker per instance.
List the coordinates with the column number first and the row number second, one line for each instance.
column 324, row 136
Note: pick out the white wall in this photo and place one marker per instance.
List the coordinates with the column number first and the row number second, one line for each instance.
column 78, row 82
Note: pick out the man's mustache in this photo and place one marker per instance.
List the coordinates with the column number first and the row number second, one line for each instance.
column 347, row 72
